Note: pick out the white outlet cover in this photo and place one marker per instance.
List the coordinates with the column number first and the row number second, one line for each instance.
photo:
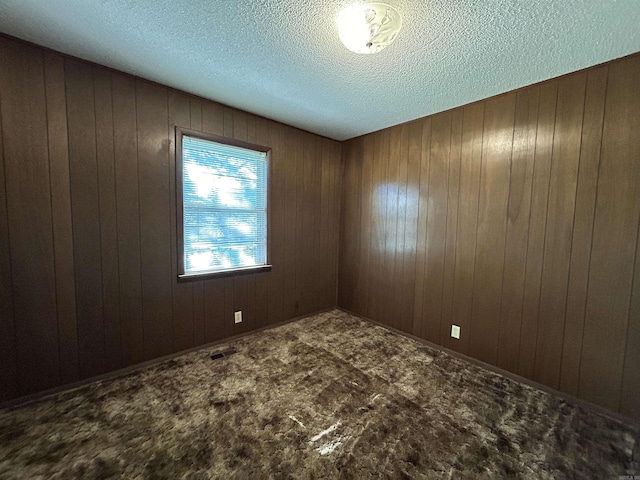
column 238, row 316
column 455, row 331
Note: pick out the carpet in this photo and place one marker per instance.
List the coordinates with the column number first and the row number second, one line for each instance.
column 328, row 396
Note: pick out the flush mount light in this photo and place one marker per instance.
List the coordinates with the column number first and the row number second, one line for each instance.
column 368, row 27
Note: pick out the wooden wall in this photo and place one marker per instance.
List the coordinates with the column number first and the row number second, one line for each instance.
column 515, row 218
column 87, row 223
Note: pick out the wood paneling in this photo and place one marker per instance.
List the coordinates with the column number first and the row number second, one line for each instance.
column 8, row 360
column 437, row 202
column 424, row 144
column 85, row 203
column 451, row 233
column 630, row 394
column 526, row 224
column 88, row 280
column 290, row 151
column 278, row 221
column 582, row 228
column 401, row 187
column 516, row 218
column 351, row 260
column 408, row 276
column 155, row 238
column 392, row 206
column 469, row 190
column 29, row 218
column 613, row 250
column 560, row 213
column 108, row 217
column 128, row 217
column 378, row 223
column 497, row 141
column 62, row 218
column 537, row 228
column 325, row 233
column 181, row 293
column 522, row 162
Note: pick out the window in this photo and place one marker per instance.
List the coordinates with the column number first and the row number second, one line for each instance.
column 222, row 205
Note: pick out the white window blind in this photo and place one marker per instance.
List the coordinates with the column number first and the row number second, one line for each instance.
column 224, row 205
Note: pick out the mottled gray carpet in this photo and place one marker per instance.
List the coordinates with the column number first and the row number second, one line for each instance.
column 329, row 396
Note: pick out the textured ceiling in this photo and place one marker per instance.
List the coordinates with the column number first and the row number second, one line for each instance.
column 282, row 58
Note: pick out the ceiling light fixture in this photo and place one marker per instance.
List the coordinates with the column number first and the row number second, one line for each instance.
column 368, row 27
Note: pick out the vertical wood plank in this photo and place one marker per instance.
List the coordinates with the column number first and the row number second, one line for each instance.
column 390, row 253
column 304, row 280
column 325, row 201
column 214, row 308
column 470, row 172
column 8, row 363
column 436, row 225
column 524, row 144
column 537, row 226
column 558, row 234
column 85, row 207
column 388, row 190
column 615, row 233
column 128, row 219
column 423, row 213
column 314, row 242
column 61, row 215
column 279, row 172
column 302, row 158
column 453, row 195
column 583, row 228
column 630, row 394
column 290, row 158
column 26, row 170
column 347, row 269
column 378, row 223
column 411, row 227
column 350, row 276
column 182, row 293
column 492, row 214
column 360, row 148
column 108, row 218
column 335, row 209
column 400, row 212
column 155, row 237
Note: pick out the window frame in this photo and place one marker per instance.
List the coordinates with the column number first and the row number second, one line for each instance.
column 180, row 132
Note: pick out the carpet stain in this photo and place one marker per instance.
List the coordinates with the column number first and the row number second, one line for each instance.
column 330, row 397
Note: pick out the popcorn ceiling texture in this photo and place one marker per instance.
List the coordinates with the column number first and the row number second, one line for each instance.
column 282, row 59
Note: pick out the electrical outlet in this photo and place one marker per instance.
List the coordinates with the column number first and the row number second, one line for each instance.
column 238, row 316
column 455, row 331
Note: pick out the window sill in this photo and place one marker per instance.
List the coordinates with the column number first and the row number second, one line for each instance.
column 194, row 277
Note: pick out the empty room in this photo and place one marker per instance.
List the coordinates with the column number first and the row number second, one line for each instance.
column 339, row 239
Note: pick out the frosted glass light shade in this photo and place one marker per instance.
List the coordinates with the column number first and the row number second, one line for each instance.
column 368, row 27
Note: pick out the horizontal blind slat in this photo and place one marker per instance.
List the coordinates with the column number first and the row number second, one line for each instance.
column 224, row 205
